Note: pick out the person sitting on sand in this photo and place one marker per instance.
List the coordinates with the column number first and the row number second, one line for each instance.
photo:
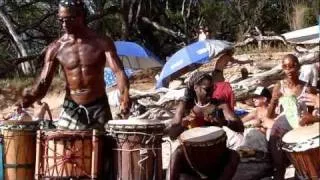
column 258, row 118
column 288, row 94
column 204, row 111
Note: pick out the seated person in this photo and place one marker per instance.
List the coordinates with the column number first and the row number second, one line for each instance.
column 288, row 94
column 40, row 111
column 314, row 101
column 204, row 111
column 258, row 117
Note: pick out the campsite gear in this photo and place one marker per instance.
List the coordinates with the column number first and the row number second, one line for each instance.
column 204, row 148
column 135, row 56
column 19, row 147
column 191, row 57
column 110, row 78
column 67, row 154
column 290, row 109
column 138, row 154
column 303, row 147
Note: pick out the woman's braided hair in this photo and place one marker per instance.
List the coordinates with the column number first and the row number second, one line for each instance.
column 196, row 77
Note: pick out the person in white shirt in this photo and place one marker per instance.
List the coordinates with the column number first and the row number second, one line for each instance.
column 309, row 73
column 202, row 35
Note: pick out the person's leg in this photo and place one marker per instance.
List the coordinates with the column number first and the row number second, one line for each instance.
column 229, row 169
column 279, row 159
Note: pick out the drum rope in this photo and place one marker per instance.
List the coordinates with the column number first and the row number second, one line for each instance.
column 147, row 139
column 202, row 176
column 111, row 131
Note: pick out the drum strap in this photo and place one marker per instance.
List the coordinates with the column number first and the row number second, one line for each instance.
column 202, row 176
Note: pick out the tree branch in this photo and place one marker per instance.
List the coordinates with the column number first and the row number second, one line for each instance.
column 163, row 29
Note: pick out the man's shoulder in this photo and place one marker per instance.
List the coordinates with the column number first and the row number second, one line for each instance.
column 52, row 49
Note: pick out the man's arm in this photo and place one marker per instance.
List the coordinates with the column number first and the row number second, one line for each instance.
column 251, row 116
column 122, row 80
column 42, row 84
column 176, row 127
column 232, row 121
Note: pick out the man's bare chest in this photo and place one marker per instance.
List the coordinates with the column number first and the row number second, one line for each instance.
column 72, row 55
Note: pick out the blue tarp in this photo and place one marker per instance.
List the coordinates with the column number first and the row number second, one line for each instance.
column 110, row 77
column 191, row 56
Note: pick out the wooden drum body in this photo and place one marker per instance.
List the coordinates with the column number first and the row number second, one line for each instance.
column 67, row 154
column 204, row 148
column 303, row 148
column 19, row 147
column 138, row 153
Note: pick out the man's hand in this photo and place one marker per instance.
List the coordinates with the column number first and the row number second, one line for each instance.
column 312, row 100
column 306, row 119
column 125, row 107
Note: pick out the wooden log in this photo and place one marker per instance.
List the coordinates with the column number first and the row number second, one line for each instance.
column 305, row 58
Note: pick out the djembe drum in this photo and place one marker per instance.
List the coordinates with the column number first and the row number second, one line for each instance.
column 138, row 154
column 204, row 148
column 303, row 148
column 19, row 147
column 65, row 154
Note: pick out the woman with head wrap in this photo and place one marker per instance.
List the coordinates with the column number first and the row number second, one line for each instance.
column 202, row 111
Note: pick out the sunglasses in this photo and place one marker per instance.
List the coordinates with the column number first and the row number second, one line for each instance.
column 288, row 66
column 67, row 19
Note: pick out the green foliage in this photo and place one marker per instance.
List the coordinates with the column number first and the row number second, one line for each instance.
column 177, row 24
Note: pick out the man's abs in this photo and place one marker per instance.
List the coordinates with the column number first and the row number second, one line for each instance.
column 85, row 88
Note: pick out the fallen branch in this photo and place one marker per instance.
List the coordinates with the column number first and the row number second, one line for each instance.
column 259, row 38
column 163, row 29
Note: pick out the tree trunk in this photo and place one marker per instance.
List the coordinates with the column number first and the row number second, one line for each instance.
column 26, row 66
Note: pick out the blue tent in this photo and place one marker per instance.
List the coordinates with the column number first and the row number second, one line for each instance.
column 191, row 57
column 135, row 56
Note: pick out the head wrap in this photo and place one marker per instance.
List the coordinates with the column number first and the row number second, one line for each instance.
column 196, row 77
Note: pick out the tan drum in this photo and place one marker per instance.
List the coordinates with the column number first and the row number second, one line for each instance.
column 19, row 140
column 138, row 153
column 204, row 147
column 303, row 147
column 67, row 154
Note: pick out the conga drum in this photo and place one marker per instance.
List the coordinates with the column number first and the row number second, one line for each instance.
column 204, row 148
column 19, row 147
column 137, row 154
column 67, row 154
column 303, row 148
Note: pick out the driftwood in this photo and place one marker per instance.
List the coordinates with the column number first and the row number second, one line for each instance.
column 260, row 38
column 243, row 88
column 266, row 65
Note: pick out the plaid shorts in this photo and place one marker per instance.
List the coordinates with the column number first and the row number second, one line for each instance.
column 78, row 117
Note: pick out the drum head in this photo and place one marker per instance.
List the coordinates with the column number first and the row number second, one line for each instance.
column 4, row 123
column 134, row 122
column 202, row 134
column 302, row 134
